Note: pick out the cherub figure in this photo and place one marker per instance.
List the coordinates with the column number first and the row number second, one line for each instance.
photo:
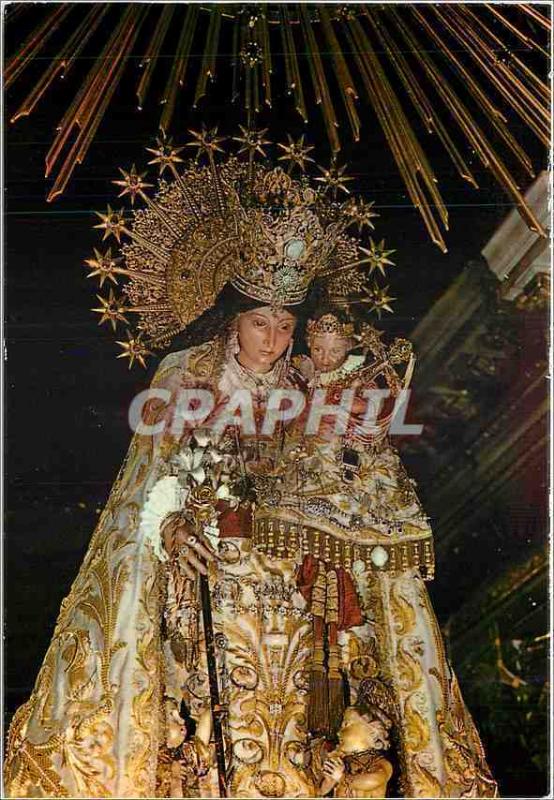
column 358, row 766
column 183, row 761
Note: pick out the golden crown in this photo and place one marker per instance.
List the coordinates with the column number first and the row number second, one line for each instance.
column 236, row 221
column 329, row 323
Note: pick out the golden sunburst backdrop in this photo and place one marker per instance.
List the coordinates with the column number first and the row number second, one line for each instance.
column 471, row 73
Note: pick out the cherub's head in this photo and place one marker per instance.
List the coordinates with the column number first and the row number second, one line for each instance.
column 176, row 728
column 363, row 729
column 330, row 338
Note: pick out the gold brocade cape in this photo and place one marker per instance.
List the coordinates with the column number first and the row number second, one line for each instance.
column 95, row 724
column 91, row 727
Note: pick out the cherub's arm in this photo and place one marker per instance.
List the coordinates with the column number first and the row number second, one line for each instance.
column 204, row 727
column 333, row 771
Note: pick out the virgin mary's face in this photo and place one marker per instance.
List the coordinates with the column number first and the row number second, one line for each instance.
column 264, row 335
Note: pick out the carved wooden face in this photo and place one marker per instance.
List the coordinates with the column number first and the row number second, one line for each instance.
column 361, row 732
column 264, row 335
column 328, row 351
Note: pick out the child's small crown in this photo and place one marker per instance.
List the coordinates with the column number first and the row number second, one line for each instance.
column 328, row 323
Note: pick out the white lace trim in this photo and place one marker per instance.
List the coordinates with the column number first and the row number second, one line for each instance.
column 351, row 364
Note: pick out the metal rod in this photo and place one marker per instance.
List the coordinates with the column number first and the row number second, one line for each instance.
column 176, row 79
column 215, row 701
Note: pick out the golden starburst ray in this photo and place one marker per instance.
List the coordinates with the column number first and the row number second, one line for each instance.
column 62, row 65
column 462, row 116
column 209, row 60
column 150, row 60
column 178, row 70
column 34, row 43
column 292, row 69
column 91, row 102
column 463, row 70
column 319, row 81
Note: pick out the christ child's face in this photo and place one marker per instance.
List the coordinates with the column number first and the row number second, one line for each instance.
column 328, row 351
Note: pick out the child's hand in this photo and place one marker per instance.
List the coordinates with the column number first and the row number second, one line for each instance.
column 333, row 769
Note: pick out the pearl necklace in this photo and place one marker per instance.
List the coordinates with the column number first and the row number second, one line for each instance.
column 260, row 382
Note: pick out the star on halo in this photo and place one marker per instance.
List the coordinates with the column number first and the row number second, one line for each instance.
column 134, row 349
column 379, row 299
column 113, row 222
column 103, row 265
column 111, row 310
column 377, row 256
column 361, row 213
column 132, row 183
column 206, row 141
column 165, row 154
column 296, row 153
column 334, row 179
column 252, row 141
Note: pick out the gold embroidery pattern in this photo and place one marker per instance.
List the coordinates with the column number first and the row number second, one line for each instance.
column 401, row 643
column 64, row 740
column 146, row 707
column 264, row 647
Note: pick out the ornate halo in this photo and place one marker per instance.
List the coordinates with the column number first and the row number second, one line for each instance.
column 237, row 222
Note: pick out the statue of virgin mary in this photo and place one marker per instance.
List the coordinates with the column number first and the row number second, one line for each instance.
column 184, row 660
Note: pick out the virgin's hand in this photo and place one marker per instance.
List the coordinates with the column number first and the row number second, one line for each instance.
column 192, row 550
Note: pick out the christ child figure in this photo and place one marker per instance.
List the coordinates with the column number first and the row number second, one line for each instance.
column 370, row 371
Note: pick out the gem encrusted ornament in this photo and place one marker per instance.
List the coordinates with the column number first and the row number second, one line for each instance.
column 329, row 323
column 209, row 223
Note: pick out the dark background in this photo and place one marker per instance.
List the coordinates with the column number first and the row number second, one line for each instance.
column 67, row 396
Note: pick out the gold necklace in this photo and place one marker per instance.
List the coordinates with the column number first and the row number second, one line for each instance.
column 259, row 380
